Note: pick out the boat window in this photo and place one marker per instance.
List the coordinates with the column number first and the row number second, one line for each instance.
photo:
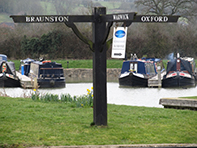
column 134, row 67
column 34, row 68
column 51, row 72
column 150, row 68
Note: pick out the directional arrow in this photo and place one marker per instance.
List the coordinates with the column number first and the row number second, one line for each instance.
column 118, row 54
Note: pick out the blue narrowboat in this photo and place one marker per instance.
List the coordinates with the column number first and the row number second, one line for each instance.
column 136, row 72
column 8, row 76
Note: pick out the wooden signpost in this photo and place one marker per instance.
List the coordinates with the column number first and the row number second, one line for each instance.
column 99, row 44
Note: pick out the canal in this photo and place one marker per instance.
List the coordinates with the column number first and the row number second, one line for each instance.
column 148, row 97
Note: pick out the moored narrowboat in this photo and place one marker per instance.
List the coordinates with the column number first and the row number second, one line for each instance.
column 136, row 72
column 180, row 73
column 48, row 74
column 8, row 76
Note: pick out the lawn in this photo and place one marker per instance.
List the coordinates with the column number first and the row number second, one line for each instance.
column 193, row 97
column 112, row 63
column 24, row 123
column 70, row 63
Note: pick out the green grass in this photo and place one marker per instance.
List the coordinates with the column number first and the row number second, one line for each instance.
column 193, row 97
column 80, row 63
column 111, row 63
column 24, row 122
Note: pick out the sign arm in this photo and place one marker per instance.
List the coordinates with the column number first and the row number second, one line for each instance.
column 79, row 35
column 127, row 24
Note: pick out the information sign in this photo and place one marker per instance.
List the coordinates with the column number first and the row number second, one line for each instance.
column 119, row 42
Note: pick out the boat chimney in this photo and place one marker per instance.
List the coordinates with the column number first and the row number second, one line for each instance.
column 135, row 57
column 131, row 56
column 178, row 64
column 178, row 55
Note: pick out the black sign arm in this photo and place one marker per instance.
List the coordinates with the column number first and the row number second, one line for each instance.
column 155, row 19
column 127, row 23
column 79, row 35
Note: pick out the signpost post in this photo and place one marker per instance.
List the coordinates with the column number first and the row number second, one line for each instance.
column 98, row 45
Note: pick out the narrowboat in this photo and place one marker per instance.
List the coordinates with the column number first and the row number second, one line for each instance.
column 48, row 74
column 8, row 76
column 136, row 72
column 180, row 73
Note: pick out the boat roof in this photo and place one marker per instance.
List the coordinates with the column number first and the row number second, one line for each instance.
column 3, row 57
column 153, row 59
column 47, row 64
column 27, row 61
column 185, row 65
column 141, row 66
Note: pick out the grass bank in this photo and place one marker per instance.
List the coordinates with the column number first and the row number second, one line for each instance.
column 24, row 122
column 193, row 97
column 112, row 63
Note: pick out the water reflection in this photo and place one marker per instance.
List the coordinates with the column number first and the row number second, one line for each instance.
column 148, row 97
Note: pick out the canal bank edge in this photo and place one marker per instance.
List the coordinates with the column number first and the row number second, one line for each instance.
column 86, row 75
column 125, row 146
column 179, row 103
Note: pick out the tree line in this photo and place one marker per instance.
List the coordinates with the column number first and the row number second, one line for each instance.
column 153, row 40
column 58, row 41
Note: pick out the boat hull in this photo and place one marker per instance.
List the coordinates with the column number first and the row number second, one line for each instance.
column 9, row 82
column 51, row 83
column 133, row 80
column 179, row 81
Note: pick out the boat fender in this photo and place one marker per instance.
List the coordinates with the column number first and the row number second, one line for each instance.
column 46, row 61
column 52, row 82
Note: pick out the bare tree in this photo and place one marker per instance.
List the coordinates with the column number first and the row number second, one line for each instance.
column 168, row 7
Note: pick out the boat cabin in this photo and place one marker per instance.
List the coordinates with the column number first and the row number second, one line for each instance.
column 180, row 65
column 46, row 69
column 3, row 57
column 139, row 66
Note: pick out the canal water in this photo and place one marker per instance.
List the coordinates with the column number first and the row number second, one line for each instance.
column 148, row 97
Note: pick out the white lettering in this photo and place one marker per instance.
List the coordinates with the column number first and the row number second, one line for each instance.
column 32, row 19
column 51, row 19
column 165, row 18
column 66, row 18
column 61, row 19
column 47, row 19
column 154, row 18
column 39, row 19
column 121, row 17
column 28, row 19
column 143, row 18
column 160, row 19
